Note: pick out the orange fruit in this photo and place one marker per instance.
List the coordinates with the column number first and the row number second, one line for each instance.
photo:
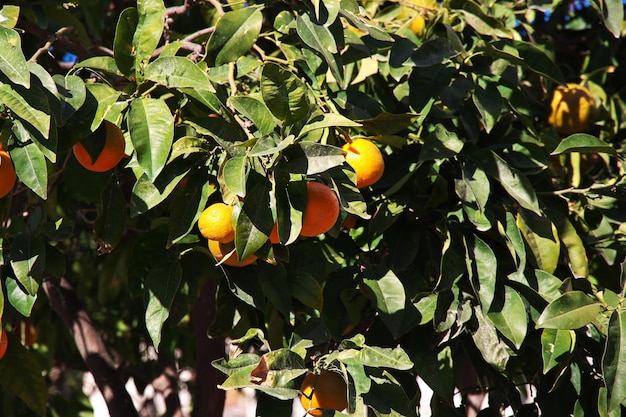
column 29, row 332
column 571, row 109
column 274, row 239
column 366, row 160
column 4, row 343
column 216, row 223
column 112, row 151
column 322, row 210
column 417, row 25
column 7, row 174
column 220, row 250
column 326, row 391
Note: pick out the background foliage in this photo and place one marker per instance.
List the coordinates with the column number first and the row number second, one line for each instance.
column 489, row 255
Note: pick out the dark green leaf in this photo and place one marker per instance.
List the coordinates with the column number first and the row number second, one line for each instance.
column 527, row 56
column 542, row 238
column 320, row 39
column 30, row 166
column 72, row 93
column 489, row 104
column 284, row 94
column 440, row 144
column 123, row 50
column 111, row 221
column 582, row 142
column 256, row 111
column 556, row 345
column 433, row 51
column 306, row 289
column 151, row 127
column 235, row 33
column 177, row 72
column 161, row 285
column 509, row 316
column 614, row 360
column 571, row 310
column 39, row 119
column 487, row 341
column 482, row 265
column 255, row 220
column 12, row 61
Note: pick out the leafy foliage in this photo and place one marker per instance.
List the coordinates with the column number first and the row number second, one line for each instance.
column 491, row 247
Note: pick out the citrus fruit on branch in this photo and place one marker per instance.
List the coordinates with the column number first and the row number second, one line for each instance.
column 326, row 391
column 108, row 144
column 322, row 209
column 215, row 223
column 571, row 109
column 366, row 160
column 221, row 250
column 4, row 343
column 7, row 174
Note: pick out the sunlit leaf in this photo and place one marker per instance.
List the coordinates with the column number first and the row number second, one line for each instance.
column 12, row 61
column 582, row 142
column 235, row 33
column 572, row 310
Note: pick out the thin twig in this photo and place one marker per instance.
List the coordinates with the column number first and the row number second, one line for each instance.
column 46, row 46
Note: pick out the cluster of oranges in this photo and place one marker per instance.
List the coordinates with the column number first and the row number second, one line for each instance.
column 320, row 215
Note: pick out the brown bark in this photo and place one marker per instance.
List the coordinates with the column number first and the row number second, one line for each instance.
column 167, row 385
column 64, row 301
column 208, row 398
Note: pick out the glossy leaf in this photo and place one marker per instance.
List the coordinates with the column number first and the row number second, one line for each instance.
column 151, row 128
column 20, row 300
column 433, row 51
column 235, row 33
column 28, row 258
column 440, row 144
column 528, row 56
column 9, row 15
column 123, row 50
column 320, row 39
column 72, row 93
column 377, row 357
column 571, row 310
column 614, row 360
column 255, row 220
column 16, row 102
column 151, row 15
column 489, row 104
column 328, row 120
column 482, row 265
column 30, row 166
column 284, row 94
column 102, row 63
column 576, row 255
column 509, row 316
column 487, row 341
column 306, row 289
column 582, row 142
column 161, row 285
column 542, row 238
column 556, row 346
column 12, row 61
column 177, row 72
column 313, row 158
column 613, row 16
column 256, row 111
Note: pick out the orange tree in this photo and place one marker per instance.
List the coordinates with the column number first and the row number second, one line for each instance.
column 487, row 257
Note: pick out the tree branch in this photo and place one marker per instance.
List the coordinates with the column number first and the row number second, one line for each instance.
column 65, row 302
column 167, row 385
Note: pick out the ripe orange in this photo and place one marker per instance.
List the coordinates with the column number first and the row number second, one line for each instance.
column 366, row 160
column 322, row 209
column 7, row 174
column 112, row 151
column 28, row 330
column 274, row 239
column 4, row 343
column 417, row 24
column 326, row 391
column 216, row 223
column 220, row 250
column 571, row 109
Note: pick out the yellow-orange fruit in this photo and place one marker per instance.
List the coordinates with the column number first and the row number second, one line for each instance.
column 417, row 25
column 571, row 109
column 4, row 343
column 220, row 250
column 322, row 210
column 215, row 223
column 326, row 391
column 7, row 174
column 366, row 160
column 112, row 152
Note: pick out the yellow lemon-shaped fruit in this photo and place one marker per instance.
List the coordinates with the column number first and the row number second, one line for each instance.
column 571, row 109
column 215, row 223
column 366, row 160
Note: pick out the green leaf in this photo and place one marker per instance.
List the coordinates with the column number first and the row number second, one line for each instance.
column 20, row 374
column 320, row 39
column 100, row 63
column 111, row 221
column 509, row 316
column 161, row 285
column 275, row 285
column 313, row 158
column 571, row 310
column 256, row 111
column 556, row 346
column 255, row 220
column 582, row 142
column 39, row 119
column 151, row 18
column 9, row 16
column 488, row 101
column 482, row 265
column 527, row 56
column 235, row 33
column 177, row 72
column 614, row 360
column 513, row 181
column 151, row 127
column 305, row 288
column 388, row 292
column 378, row 357
column 235, row 175
column 488, row 343
column 30, row 166
column 28, row 258
column 542, row 238
column 123, row 50
column 474, row 185
column 433, row 51
column 576, row 255
column 12, row 61
column 440, row 144
column 329, row 120
column 20, row 300
column 106, row 98
column 613, row 16
column 284, row 94
column 72, row 92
